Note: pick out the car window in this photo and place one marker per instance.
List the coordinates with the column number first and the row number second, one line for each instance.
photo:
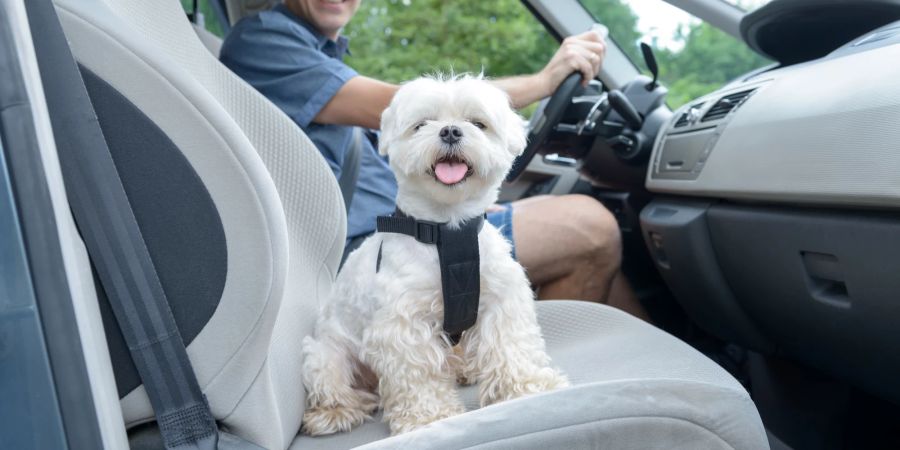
column 206, row 15
column 695, row 58
column 398, row 40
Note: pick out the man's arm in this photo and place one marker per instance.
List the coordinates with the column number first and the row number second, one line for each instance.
column 361, row 100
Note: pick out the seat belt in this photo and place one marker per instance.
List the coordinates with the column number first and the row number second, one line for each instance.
column 116, row 247
column 350, row 168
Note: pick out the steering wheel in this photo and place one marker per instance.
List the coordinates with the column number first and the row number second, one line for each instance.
column 545, row 123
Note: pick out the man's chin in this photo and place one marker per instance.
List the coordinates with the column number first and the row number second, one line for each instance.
column 329, row 21
column 343, row 11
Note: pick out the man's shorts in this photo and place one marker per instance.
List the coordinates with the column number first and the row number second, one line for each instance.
column 503, row 221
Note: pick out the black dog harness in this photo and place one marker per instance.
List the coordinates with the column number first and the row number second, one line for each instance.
column 460, row 264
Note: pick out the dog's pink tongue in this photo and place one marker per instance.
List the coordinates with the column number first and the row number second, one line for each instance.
column 450, row 172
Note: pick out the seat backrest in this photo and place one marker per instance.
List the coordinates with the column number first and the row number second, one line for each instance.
column 212, row 42
column 163, row 96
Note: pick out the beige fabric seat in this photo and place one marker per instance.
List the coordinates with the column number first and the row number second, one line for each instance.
column 209, row 40
column 284, row 225
column 634, row 387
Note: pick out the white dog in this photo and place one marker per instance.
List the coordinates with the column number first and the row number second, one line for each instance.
column 389, row 323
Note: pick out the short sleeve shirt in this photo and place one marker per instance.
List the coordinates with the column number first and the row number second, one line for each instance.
column 300, row 71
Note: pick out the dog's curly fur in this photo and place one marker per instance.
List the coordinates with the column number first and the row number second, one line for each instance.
column 388, row 324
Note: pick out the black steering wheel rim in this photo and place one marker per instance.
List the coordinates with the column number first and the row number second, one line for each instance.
column 550, row 117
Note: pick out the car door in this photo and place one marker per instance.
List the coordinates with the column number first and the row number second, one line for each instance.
column 53, row 387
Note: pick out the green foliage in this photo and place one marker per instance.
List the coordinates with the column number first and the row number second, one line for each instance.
column 211, row 21
column 397, row 40
column 622, row 24
column 709, row 59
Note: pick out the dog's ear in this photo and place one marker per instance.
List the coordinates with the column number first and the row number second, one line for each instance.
column 516, row 135
column 387, row 130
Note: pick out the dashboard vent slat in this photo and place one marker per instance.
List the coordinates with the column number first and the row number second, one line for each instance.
column 686, row 116
column 725, row 105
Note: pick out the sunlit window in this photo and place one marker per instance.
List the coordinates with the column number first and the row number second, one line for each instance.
column 398, row 40
column 695, row 58
column 206, row 15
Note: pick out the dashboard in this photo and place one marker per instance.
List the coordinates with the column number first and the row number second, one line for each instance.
column 775, row 219
column 823, row 132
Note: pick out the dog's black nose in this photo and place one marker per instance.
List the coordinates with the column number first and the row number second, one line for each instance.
column 450, row 134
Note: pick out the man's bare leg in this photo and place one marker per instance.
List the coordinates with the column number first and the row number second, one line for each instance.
column 622, row 296
column 571, row 249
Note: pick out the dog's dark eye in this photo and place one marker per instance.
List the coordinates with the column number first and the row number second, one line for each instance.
column 479, row 124
column 419, row 125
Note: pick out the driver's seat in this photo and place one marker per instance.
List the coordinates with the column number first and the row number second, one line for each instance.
column 280, row 218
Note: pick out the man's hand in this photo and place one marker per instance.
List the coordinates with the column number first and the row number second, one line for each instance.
column 583, row 53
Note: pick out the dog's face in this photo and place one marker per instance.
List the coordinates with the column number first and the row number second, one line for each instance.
column 450, row 143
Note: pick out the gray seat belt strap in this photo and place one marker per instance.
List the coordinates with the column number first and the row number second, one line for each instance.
column 116, row 247
column 350, row 168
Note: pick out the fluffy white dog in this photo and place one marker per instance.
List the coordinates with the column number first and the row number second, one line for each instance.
column 388, row 324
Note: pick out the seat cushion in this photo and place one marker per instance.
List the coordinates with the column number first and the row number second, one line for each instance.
column 633, row 386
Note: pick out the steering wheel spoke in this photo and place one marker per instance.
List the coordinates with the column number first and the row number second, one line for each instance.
column 551, row 115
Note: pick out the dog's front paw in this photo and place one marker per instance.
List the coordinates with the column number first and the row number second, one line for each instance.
column 328, row 420
column 542, row 380
column 410, row 421
column 336, row 417
column 458, row 366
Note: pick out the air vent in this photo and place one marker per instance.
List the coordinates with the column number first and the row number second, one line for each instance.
column 686, row 116
column 725, row 105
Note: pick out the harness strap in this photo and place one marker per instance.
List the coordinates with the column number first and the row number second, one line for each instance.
column 459, row 260
column 424, row 231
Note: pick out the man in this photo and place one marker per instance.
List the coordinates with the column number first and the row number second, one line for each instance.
column 569, row 245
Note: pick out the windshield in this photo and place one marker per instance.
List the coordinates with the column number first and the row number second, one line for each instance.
column 694, row 57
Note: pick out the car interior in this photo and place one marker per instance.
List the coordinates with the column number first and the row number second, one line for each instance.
column 758, row 223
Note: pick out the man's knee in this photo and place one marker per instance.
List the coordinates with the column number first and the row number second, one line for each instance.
column 602, row 239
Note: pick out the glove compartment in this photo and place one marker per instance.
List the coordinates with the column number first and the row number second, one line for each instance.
column 823, row 285
column 677, row 237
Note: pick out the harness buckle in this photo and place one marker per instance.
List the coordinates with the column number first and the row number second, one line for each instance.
column 427, row 232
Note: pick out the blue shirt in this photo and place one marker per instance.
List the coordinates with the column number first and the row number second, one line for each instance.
column 300, row 70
